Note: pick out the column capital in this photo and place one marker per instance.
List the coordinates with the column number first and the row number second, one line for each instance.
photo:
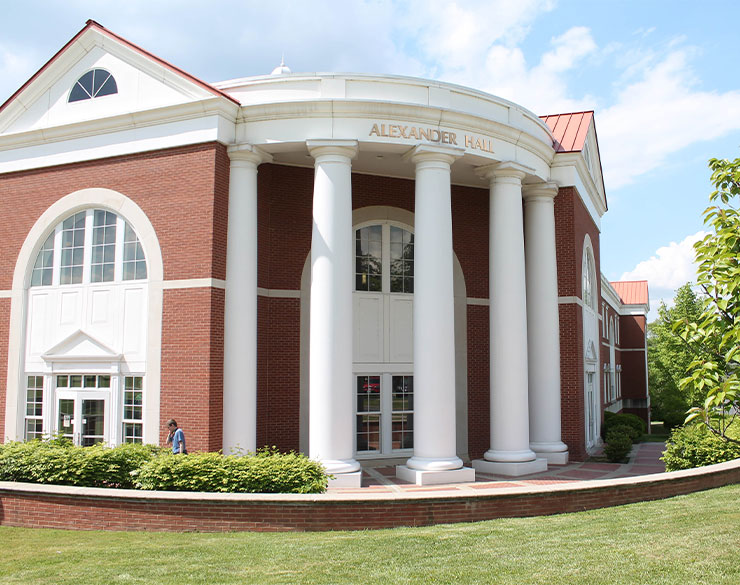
column 346, row 149
column 540, row 191
column 433, row 153
column 508, row 169
column 248, row 153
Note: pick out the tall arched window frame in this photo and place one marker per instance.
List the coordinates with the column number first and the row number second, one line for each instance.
column 90, row 246
column 588, row 281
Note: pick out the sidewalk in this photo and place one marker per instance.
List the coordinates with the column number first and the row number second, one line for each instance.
column 644, row 460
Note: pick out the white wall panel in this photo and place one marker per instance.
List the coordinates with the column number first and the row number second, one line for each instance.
column 368, row 315
column 401, row 329
column 134, row 323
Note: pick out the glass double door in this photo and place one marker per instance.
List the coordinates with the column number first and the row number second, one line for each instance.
column 384, row 416
column 82, row 417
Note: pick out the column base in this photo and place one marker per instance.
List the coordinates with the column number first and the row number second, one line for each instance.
column 555, row 452
column 560, row 458
column 510, row 468
column 343, row 480
column 462, row 475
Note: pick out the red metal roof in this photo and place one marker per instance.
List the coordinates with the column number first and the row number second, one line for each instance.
column 92, row 24
column 569, row 130
column 632, row 292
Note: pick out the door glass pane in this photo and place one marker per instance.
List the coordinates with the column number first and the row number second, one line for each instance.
column 93, row 422
column 402, row 421
column 368, row 432
column 66, row 417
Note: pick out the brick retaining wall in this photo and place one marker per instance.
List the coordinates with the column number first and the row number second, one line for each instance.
column 37, row 506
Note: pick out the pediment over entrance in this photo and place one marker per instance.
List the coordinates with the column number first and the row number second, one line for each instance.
column 591, row 352
column 81, row 347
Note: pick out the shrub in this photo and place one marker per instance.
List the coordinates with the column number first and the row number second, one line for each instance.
column 631, row 420
column 59, row 462
column 267, row 471
column 694, row 446
column 621, row 429
column 618, row 445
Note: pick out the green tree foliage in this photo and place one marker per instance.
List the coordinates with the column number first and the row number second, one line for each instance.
column 714, row 338
column 669, row 357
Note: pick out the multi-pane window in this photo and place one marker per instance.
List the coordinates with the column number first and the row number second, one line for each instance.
column 73, row 249
column 44, row 267
column 369, row 258
column 93, row 84
column 402, row 260
column 95, row 246
column 134, row 262
column 103, row 246
column 403, row 412
column 368, row 413
column 384, row 259
column 34, row 407
column 132, row 410
column 90, row 381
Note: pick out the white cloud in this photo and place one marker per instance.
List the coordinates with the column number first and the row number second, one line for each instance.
column 671, row 267
column 659, row 114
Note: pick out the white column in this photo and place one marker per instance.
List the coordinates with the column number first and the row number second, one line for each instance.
column 543, row 323
column 509, row 453
column 330, row 364
column 435, row 459
column 240, row 306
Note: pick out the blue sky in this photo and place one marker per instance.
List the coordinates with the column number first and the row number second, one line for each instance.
column 662, row 77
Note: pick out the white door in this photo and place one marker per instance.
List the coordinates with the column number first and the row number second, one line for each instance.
column 82, row 409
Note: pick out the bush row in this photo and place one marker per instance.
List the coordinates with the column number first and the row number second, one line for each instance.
column 147, row 467
column 694, row 446
column 59, row 462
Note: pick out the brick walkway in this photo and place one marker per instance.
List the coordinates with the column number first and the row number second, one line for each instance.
column 644, row 460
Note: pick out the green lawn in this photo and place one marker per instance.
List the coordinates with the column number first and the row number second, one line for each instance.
column 683, row 540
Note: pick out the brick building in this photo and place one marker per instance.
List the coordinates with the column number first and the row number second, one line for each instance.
column 356, row 266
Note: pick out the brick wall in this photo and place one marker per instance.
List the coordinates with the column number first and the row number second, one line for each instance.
column 184, row 193
column 572, row 224
column 100, row 509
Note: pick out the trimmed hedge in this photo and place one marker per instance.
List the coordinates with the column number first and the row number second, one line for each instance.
column 267, row 471
column 695, row 446
column 59, row 462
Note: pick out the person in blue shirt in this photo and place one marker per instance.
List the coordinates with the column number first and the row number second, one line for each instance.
column 176, row 437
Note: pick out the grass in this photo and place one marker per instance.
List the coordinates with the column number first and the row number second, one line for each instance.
column 687, row 539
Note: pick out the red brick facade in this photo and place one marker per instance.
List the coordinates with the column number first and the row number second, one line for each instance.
column 184, row 193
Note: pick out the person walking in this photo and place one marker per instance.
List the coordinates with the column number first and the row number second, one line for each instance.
column 176, row 437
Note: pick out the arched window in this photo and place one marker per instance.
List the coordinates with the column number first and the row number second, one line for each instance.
column 93, row 245
column 588, row 281
column 93, row 84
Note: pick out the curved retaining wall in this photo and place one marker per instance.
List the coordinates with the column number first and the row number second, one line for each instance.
column 43, row 506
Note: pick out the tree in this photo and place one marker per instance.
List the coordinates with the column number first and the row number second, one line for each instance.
column 669, row 358
column 714, row 338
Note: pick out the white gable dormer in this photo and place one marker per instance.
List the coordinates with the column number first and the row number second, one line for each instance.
column 155, row 106
column 144, row 83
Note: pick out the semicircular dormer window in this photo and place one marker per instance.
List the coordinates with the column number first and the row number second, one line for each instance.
column 93, row 84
